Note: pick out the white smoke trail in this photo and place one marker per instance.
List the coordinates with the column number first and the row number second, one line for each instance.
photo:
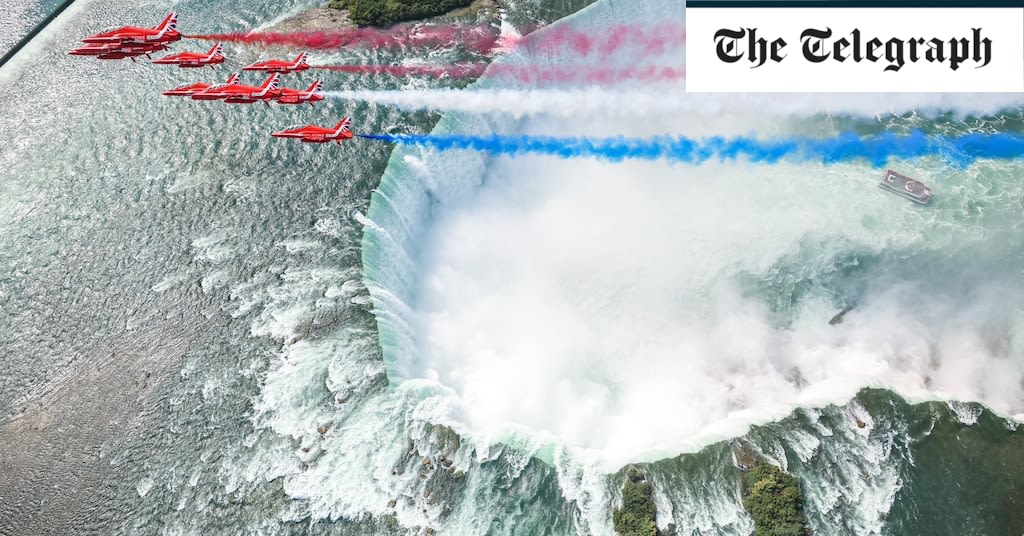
column 519, row 103
column 672, row 99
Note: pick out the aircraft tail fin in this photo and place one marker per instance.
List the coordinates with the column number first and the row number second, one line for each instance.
column 301, row 59
column 343, row 126
column 272, row 82
column 216, row 50
column 170, row 22
column 316, row 87
column 233, row 79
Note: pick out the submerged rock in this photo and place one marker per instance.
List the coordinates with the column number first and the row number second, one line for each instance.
column 838, row 319
column 744, row 457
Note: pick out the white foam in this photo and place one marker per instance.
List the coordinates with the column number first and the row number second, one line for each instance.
column 967, row 414
column 170, row 281
column 143, row 486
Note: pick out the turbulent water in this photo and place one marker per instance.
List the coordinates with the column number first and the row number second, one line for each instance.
column 207, row 330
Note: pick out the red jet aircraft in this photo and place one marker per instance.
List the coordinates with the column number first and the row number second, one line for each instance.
column 94, row 49
column 242, row 94
column 165, row 32
column 116, row 51
column 296, row 96
column 131, row 50
column 315, row 134
column 195, row 59
column 188, row 89
column 281, row 66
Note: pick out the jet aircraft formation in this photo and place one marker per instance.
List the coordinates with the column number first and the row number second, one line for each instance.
column 132, row 41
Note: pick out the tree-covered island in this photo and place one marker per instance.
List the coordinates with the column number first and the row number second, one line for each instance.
column 382, row 13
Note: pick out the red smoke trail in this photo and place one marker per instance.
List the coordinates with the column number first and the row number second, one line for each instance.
column 522, row 73
column 479, row 38
column 651, row 40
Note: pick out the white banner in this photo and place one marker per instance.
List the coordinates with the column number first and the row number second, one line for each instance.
column 855, row 49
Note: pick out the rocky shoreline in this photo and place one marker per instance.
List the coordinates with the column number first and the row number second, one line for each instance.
column 318, row 19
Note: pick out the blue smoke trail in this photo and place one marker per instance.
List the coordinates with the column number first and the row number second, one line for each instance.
column 959, row 151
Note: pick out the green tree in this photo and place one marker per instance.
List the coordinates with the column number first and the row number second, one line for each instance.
column 637, row 515
column 387, row 12
column 775, row 501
